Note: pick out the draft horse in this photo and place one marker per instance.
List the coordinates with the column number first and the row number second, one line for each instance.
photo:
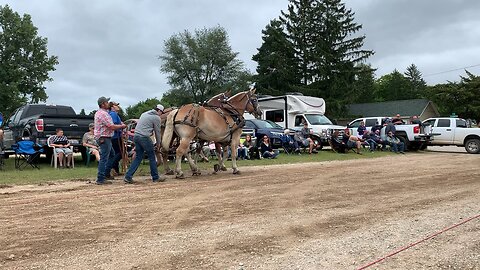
column 223, row 125
column 216, row 101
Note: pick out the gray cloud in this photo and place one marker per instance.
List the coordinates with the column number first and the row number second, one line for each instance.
column 111, row 47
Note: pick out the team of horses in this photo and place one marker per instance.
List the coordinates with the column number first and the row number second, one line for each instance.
column 219, row 120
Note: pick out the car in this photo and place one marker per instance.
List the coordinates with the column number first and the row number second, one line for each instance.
column 266, row 127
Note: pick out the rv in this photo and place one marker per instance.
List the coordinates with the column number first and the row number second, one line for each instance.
column 291, row 111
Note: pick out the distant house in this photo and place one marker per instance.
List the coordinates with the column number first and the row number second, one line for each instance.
column 423, row 108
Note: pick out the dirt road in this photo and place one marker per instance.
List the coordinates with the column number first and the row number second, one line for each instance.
column 330, row 215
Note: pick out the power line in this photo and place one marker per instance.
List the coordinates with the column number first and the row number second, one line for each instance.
column 438, row 73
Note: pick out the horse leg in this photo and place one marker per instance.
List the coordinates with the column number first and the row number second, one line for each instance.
column 221, row 158
column 234, row 146
column 182, row 150
column 167, row 169
column 193, row 165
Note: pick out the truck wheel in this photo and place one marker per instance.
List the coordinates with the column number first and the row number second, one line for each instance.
column 472, row 146
column 423, row 146
column 414, row 147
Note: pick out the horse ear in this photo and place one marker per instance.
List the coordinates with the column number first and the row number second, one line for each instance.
column 228, row 93
column 252, row 91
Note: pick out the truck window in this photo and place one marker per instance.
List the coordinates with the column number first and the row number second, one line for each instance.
column 299, row 120
column 430, row 122
column 370, row 122
column 461, row 123
column 443, row 123
column 355, row 124
column 274, row 116
column 18, row 115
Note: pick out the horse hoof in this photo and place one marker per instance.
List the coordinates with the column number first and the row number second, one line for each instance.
column 236, row 171
column 197, row 173
column 180, row 176
column 170, row 172
column 223, row 169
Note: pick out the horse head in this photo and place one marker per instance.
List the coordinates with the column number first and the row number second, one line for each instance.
column 252, row 104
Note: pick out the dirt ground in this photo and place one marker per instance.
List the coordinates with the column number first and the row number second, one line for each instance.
column 329, row 215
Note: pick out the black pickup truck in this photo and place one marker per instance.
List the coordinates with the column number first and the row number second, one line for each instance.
column 37, row 122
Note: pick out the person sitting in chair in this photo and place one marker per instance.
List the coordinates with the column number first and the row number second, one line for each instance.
column 352, row 142
column 289, row 143
column 90, row 142
column 251, row 148
column 303, row 136
column 62, row 148
column 397, row 145
column 337, row 143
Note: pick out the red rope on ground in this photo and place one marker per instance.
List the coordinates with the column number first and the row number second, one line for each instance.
column 418, row 242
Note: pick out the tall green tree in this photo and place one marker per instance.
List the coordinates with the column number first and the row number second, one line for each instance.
column 25, row 63
column 364, row 85
column 200, row 64
column 416, row 81
column 393, row 86
column 82, row 112
column 326, row 49
column 276, row 70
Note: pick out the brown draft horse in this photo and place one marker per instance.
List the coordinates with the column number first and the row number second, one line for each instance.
column 193, row 122
column 217, row 101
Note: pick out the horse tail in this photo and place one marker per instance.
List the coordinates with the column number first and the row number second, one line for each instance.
column 169, row 129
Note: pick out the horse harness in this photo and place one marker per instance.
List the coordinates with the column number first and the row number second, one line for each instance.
column 192, row 117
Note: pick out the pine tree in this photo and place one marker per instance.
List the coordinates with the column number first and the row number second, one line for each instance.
column 417, row 83
column 276, row 65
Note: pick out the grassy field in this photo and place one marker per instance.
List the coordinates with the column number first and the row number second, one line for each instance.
column 10, row 176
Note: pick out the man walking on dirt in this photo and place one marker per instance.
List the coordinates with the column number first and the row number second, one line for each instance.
column 148, row 123
column 104, row 128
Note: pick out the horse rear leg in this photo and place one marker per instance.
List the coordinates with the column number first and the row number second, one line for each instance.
column 182, row 150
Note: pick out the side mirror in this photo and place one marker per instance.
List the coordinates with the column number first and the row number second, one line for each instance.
column 10, row 125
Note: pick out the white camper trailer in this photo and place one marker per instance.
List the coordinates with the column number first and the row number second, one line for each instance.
column 291, row 111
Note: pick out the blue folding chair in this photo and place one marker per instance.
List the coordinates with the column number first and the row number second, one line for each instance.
column 26, row 153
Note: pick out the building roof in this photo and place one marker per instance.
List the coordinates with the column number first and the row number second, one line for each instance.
column 405, row 108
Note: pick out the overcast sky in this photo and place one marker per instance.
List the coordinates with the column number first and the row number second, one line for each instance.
column 110, row 47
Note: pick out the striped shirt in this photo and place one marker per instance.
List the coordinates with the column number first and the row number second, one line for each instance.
column 103, row 121
column 63, row 140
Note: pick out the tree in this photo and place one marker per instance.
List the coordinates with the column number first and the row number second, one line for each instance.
column 317, row 41
column 24, row 64
column 364, row 85
column 134, row 111
column 417, row 83
column 276, row 62
column 82, row 112
column 200, row 64
column 458, row 97
column 393, row 86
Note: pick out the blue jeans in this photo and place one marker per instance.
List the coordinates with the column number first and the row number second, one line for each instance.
column 116, row 145
column 106, row 157
column 371, row 144
column 398, row 147
column 267, row 154
column 143, row 145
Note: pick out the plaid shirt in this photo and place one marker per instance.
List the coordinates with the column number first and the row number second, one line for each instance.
column 103, row 121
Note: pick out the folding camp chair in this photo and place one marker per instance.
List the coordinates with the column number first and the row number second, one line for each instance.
column 26, row 153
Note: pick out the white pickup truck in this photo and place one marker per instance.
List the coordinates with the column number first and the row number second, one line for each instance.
column 413, row 136
column 454, row 131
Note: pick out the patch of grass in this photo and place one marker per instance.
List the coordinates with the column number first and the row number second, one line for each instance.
column 9, row 175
